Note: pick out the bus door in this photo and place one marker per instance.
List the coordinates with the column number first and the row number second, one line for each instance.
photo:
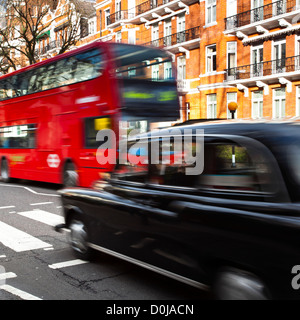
column 18, row 144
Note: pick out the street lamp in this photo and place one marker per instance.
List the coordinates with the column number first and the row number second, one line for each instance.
column 232, row 106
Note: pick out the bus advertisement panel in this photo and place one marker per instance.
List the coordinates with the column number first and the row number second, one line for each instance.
column 50, row 112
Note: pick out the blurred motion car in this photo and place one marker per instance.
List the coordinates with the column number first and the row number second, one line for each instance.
column 233, row 228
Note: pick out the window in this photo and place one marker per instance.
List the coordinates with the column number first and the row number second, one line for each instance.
column 168, row 70
column 118, row 6
column 77, row 68
column 257, row 57
column 230, row 166
column 167, row 33
column 107, row 17
column 155, row 72
column 147, row 64
column 257, row 12
column 212, row 106
column 257, row 104
column 134, row 172
column 92, row 26
column 131, row 36
column 231, row 8
column 278, row 103
column 91, row 128
column 279, row 55
column 211, row 58
column 181, row 28
column 155, row 35
column 231, row 57
column 297, row 53
column 19, row 137
column 211, row 11
column 119, row 36
column 181, row 68
column 279, row 7
column 172, row 167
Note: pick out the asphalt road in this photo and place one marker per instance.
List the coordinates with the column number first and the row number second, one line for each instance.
column 37, row 263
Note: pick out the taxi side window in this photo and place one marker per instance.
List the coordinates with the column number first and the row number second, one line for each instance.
column 133, row 166
column 229, row 166
column 172, row 167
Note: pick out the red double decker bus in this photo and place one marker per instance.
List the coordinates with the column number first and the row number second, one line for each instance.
column 50, row 112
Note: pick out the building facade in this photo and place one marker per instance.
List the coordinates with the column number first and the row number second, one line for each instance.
column 224, row 50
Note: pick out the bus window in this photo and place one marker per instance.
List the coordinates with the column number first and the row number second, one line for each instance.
column 89, row 65
column 136, row 62
column 19, row 137
column 77, row 68
column 92, row 126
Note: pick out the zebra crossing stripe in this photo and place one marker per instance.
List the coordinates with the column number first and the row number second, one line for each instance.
column 19, row 293
column 18, row 240
column 48, row 218
column 65, row 264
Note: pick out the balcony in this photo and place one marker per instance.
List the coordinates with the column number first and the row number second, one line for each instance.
column 178, row 42
column 280, row 13
column 153, row 9
column 267, row 71
column 114, row 20
column 183, row 86
column 50, row 47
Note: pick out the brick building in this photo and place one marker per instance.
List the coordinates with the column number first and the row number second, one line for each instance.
column 223, row 50
column 234, row 50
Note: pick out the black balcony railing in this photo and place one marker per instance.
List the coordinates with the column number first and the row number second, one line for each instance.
column 118, row 16
column 270, row 10
column 262, row 69
column 176, row 38
column 149, row 5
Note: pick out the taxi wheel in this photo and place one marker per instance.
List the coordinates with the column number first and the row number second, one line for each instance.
column 5, row 171
column 79, row 239
column 236, row 284
column 70, row 175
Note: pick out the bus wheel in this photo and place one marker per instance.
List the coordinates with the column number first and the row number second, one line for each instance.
column 70, row 175
column 5, row 171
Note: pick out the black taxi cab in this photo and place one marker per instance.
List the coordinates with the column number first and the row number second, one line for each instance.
column 226, row 218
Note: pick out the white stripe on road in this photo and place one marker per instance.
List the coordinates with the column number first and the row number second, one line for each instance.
column 30, row 190
column 43, row 216
column 40, row 203
column 7, row 207
column 18, row 240
column 67, row 264
column 7, row 275
column 17, row 292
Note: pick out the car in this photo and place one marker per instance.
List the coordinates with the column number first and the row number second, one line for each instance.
column 212, row 204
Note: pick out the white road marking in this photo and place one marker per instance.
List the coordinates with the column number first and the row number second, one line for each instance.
column 7, row 275
column 7, row 207
column 17, row 292
column 3, row 256
column 48, row 218
column 18, row 240
column 30, row 190
column 40, row 203
column 67, row 264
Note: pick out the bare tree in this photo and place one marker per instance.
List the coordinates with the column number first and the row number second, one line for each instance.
column 24, row 22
